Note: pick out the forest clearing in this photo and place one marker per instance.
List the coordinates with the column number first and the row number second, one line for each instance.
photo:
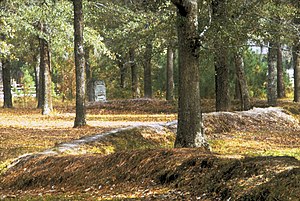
column 254, row 154
column 149, row 100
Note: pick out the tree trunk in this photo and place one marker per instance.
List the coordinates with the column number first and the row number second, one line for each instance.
column 296, row 59
column 134, row 75
column 45, row 75
column 147, row 71
column 221, row 54
column 189, row 131
column 122, row 68
column 6, row 84
column 170, row 74
column 280, row 75
column 37, row 77
column 80, row 119
column 89, row 76
column 242, row 82
column 272, row 86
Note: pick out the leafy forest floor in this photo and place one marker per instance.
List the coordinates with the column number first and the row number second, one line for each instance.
column 125, row 153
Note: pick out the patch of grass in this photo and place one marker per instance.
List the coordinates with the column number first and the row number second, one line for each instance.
column 4, row 165
column 251, row 148
column 131, row 139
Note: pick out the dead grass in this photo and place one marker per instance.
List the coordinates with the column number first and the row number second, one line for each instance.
column 153, row 173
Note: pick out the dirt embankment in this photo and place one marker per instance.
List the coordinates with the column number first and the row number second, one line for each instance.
column 187, row 174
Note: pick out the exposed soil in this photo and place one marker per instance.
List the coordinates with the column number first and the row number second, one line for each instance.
column 130, row 163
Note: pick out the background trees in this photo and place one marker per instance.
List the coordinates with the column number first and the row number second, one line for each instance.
column 128, row 45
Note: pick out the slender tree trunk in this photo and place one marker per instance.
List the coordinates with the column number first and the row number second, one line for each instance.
column 189, row 132
column 134, row 75
column 89, row 76
column 80, row 119
column 45, row 76
column 41, row 79
column 6, row 84
column 296, row 59
column 147, row 71
column 170, row 74
column 123, row 69
column 221, row 54
column 242, row 82
column 280, row 75
column 37, row 77
column 272, row 86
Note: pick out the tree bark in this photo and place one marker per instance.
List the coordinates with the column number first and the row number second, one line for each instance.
column 134, row 75
column 242, row 82
column 296, row 59
column 189, row 132
column 170, row 74
column 6, row 84
column 280, row 75
column 147, row 71
column 37, row 77
column 221, row 54
column 122, row 68
column 80, row 119
column 45, row 76
column 272, row 86
column 89, row 76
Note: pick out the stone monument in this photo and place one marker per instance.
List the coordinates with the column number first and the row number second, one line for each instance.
column 99, row 91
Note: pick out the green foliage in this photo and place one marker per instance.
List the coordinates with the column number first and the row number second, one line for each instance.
column 113, row 27
column 256, row 69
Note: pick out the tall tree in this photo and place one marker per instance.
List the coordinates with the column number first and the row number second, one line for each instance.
column 147, row 70
column 134, row 74
column 296, row 55
column 80, row 119
column 280, row 73
column 296, row 62
column 242, row 82
column 272, row 87
column 45, row 98
column 219, row 18
column 189, row 131
column 170, row 74
column 89, row 75
column 5, row 64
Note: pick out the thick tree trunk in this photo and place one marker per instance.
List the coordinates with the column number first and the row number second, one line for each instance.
column 280, row 75
column 45, row 76
column 170, row 74
column 272, row 86
column 242, row 82
column 189, row 131
column 147, row 71
column 6, row 84
column 296, row 59
column 134, row 75
column 221, row 54
column 80, row 119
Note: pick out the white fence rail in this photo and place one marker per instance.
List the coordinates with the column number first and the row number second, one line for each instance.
column 19, row 91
